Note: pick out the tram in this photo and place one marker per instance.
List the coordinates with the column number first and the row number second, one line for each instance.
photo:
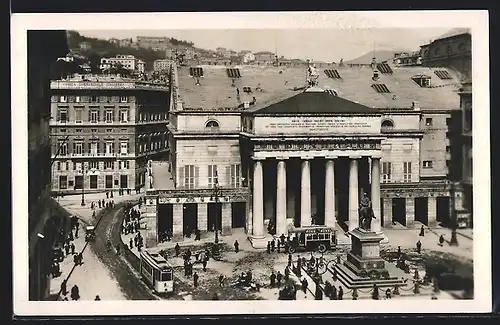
column 157, row 272
column 318, row 238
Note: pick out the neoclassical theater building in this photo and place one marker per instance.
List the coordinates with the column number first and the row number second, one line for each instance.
column 296, row 146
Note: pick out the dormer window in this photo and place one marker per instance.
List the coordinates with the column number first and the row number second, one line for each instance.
column 422, row 80
column 212, row 125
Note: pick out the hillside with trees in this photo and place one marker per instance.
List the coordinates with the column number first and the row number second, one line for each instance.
column 103, row 48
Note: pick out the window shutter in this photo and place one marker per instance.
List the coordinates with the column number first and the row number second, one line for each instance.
column 113, row 148
column 196, row 176
column 180, row 179
column 228, row 176
column 74, row 147
column 98, row 148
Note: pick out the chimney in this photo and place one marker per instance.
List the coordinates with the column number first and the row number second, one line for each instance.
column 375, row 75
column 415, row 105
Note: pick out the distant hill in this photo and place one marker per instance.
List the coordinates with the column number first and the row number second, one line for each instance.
column 100, row 48
column 380, row 55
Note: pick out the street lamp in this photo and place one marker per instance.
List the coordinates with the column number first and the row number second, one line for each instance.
column 216, row 194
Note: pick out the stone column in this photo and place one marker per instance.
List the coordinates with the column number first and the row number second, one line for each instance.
column 330, row 192
column 258, row 201
column 226, row 218
column 375, row 193
column 305, row 194
column 410, row 211
column 150, row 213
column 431, row 212
column 178, row 218
column 353, row 194
column 281, row 198
column 202, row 216
column 387, row 218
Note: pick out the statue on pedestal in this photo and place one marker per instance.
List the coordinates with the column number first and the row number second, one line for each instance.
column 365, row 213
column 312, row 76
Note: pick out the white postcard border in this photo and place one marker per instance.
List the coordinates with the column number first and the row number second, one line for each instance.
column 476, row 20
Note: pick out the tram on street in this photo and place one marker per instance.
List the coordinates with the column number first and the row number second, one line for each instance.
column 314, row 238
column 157, row 272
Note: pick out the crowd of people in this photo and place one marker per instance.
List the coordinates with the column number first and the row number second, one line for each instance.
column 68, row 249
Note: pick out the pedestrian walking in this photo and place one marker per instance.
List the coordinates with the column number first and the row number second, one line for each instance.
column 204, row 264
column 66, row 249
column 318, row 294
column 64, row 288
column 131, row 243
column 236, row 246
column 97, row 298
column 221, row 280
column 279, row 277
column 76, row 232
column 304, row 284
column 340, row 294
column 441, row 240
column 399, row 251
column 272, row 279
column 117, row 249
column 278, row 246
column 195, row 279
column 268, row 249
column 75, row 293
column 273, row 246
column 375, row 292
column 422, row 231
column 333, row 293
column 419, row 246
column 388, row 293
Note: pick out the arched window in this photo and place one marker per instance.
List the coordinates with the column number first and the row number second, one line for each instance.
column 387, row 124
column 212, row 124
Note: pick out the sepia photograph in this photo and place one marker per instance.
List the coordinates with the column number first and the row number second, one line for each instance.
column 252, row 163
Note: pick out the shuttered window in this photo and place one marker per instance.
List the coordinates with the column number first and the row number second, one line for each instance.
column 212, row 175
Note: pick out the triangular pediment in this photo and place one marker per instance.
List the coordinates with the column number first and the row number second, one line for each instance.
column 315, row 101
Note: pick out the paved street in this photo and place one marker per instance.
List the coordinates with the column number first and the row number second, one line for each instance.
column 118, row 278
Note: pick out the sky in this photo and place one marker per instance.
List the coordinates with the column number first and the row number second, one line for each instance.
column 314, row 44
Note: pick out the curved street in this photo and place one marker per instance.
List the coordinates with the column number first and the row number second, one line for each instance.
column 128, row 279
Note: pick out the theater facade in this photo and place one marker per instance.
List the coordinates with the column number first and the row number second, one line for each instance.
column 291, row 147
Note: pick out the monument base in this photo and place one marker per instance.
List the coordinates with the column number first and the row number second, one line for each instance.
column 364, row 267
column 258, row 242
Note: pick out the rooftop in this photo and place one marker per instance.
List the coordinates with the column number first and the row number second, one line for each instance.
column 88, row 81
column 217, row 90
column 454, row 32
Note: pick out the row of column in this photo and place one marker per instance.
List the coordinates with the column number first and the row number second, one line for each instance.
column 305, row 197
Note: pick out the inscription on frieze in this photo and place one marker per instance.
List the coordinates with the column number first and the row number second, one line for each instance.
column 318, row 124
column 301, row 146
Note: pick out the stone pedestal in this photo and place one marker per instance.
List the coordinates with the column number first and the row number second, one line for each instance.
column 364, row 267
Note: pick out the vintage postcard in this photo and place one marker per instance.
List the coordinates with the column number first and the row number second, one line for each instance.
column 273, row 161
